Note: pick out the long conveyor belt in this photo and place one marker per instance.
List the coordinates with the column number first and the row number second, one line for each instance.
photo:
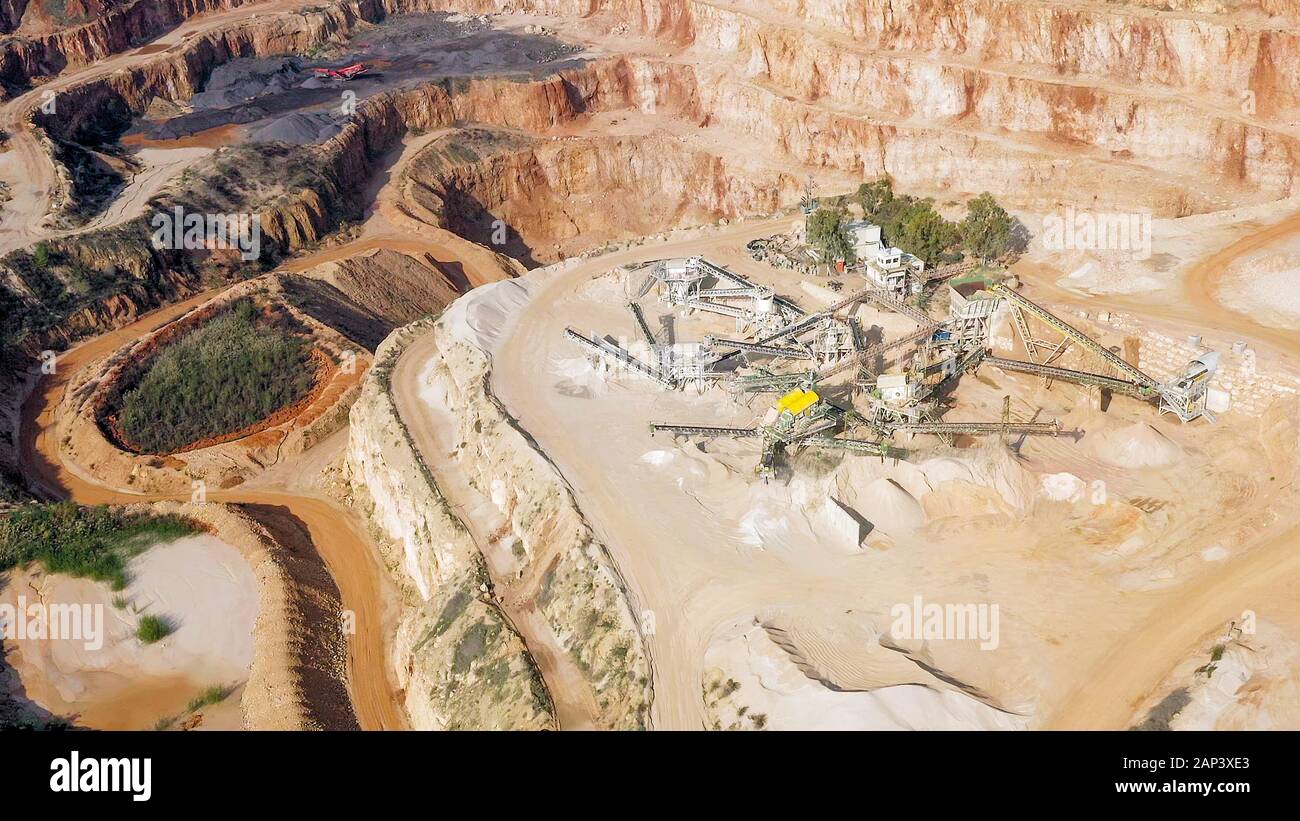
column 1132, row 372
column 618, row 354
column 981, row 428
column 1110, row 383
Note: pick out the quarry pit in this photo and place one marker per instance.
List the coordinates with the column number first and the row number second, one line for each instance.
column 523, row 551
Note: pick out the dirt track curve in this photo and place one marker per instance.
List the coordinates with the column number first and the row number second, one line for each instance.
column 340, row 541
column 1109, row 695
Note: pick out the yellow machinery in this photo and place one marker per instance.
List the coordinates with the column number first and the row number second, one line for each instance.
column 797, row 401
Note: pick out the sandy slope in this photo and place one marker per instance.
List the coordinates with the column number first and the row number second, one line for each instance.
column 575, row 704
column 200, row 584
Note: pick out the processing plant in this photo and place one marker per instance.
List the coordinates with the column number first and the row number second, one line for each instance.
column 806, row 358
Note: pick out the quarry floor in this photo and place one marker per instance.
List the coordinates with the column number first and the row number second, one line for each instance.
column 1094, row 631
column 200, row 584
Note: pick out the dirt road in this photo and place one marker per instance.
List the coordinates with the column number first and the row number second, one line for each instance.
column 340, row 541
column 1109, row 695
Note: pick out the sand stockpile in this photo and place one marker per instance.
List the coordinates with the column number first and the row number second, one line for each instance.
column 1265, row 285
column 1062, row 487
column 997, row 471
column 1137, row 446
column 1107, row 272
column 300, row 128
column 889, row 508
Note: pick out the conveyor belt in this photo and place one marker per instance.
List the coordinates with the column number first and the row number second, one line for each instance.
column 887, row 300
column 1134, row 375
column 793, row 329
column 704, row 430
column 949, row 271
column 754, row 347
column 717, row 308
column 641, row 323
column 875, row 350
column 774, row 383
column 855, row 445
column 981, row 428
column 743, row 282
column 618, row 354
column 1110, row 383
column 734, row 293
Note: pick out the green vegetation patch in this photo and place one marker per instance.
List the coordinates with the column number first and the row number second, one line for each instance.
column 827, row 233
column 88, row 542
column 212, row 695
column 152, row 629
column 234, row 371
column 473, row 644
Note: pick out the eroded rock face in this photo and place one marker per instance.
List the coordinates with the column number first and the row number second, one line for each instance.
column 84, row 31
column 562, row 198
column 559, row 568
column 1037, row 103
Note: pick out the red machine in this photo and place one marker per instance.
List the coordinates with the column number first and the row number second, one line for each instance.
column 346, row 73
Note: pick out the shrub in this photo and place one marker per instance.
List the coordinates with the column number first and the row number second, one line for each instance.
column 989, row 232
column 212, row 695
column 152, row 629
column 235, row 370
column 826, row 233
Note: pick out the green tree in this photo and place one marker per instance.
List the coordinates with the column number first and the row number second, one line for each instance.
column 874, row 196
column 988, row 231
column 927, row 234
column 826, row 233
